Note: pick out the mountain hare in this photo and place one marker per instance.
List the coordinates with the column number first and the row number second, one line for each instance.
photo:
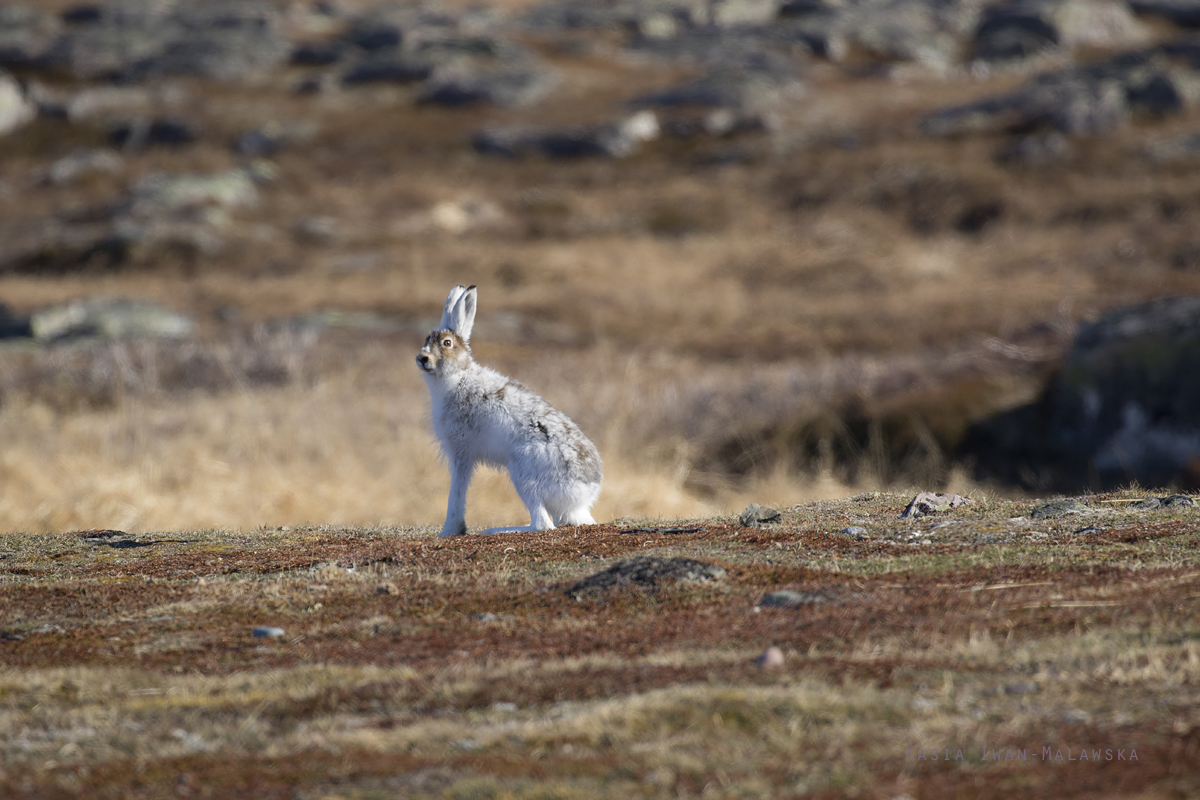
column 480, row 416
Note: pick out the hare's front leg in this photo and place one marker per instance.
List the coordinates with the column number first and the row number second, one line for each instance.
column 456, row 506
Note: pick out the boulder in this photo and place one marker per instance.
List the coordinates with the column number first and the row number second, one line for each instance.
column 1026, row 28
column 1090, row 99
column 1124, row 407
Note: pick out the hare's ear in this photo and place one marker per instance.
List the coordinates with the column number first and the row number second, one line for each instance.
column 447, row 323
column 462, row 312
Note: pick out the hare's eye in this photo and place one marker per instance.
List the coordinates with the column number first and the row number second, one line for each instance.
column 447, row 343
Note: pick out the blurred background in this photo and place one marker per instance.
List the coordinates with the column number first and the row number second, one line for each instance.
column 767, row 250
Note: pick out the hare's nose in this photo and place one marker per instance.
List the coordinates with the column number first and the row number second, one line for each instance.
column 422, row 359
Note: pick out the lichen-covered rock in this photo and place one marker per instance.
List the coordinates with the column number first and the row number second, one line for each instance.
column 1124, row 407
column 756, row 515
column 647, row 573
column 109, row 318
column 1057, row 508
column 927, row 503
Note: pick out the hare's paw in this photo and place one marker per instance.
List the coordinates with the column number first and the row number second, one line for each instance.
column 452, row 529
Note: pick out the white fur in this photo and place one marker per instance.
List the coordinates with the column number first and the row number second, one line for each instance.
column 482, row 417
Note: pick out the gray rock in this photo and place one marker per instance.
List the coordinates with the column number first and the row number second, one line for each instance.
column 113, row 104
column 1027, row 28
column 752, row 82
column 1035, row 150
column 267, row 632
column 1010, row 32
column 1173, row 501
column 1177, row 148
column 1124, row 407
column 1068, row 102
column 771, row 658
column 756, row 515
column 81, row 164
column 391, row 69
column 927, row 503
column 108, row 318
column 508, row 88
column 610, row 141
column 786, row 598
column 135, row 40
column 25, row 33
column 16, row 111
column 857, row 531
column 1057, row 508
column 140, row 134
column 648, row 573
column 725, row 13
column 1091, row 99
column 162, row 191
column 14, row 326
column 1184, row 13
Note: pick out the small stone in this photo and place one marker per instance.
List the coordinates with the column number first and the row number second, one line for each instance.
column 756, row 515
column 932, row 503
column 1024, row 687
column 771, row 658
column 786, row 598
column 1147, row 504
column 1057, row 508
column 267, row 632
column 1177, row 501
column 854, row 530
column 387, row 588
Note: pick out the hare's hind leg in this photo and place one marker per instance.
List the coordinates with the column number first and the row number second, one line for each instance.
column 576, row 516
column 539, row 517
column 539, row 520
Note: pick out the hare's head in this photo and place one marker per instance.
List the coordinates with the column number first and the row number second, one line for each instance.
column 447, row 349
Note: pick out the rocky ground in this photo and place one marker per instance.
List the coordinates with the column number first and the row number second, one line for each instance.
column 821, row 650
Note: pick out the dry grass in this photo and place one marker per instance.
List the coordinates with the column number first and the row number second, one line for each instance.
column 121, row 445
